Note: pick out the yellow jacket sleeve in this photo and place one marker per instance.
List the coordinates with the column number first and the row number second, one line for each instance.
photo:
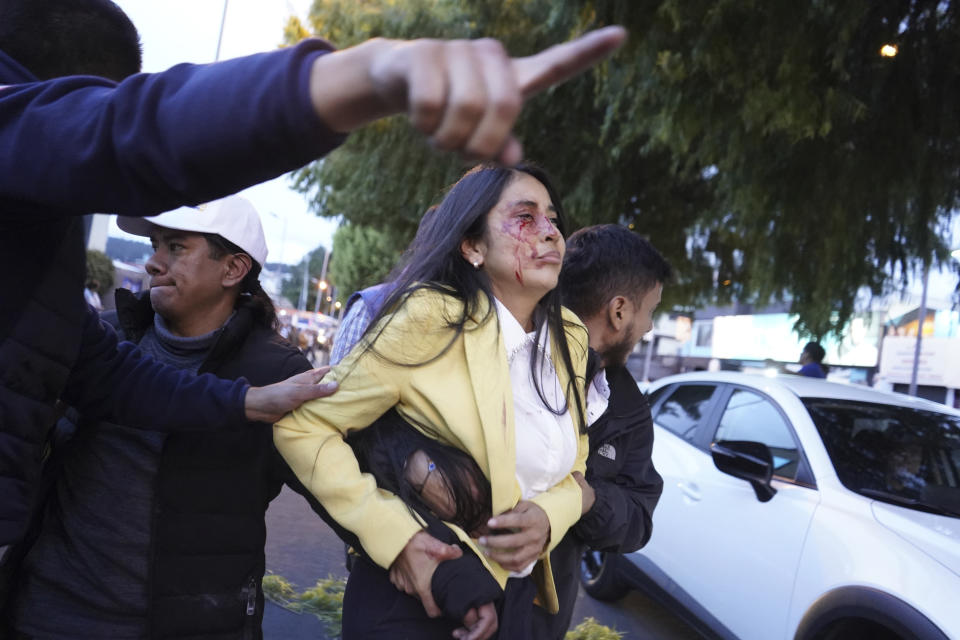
column 311, row 437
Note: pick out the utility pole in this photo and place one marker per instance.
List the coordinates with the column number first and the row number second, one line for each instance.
column 322, row 286
column 921, row 317
column 302, row 304
column 223, row 21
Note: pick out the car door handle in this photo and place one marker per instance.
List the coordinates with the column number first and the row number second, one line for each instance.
column 691, row 490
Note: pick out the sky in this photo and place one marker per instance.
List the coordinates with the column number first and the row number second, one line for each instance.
column 176, row 31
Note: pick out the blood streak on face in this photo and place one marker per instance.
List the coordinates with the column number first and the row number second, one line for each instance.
column 526, row 231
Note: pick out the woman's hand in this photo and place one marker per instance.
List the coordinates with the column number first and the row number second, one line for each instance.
column 479, row 624
column 588, row 496
column 529, row 533
column 412, row 571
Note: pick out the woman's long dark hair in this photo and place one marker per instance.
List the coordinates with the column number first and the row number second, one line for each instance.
column 434, row 261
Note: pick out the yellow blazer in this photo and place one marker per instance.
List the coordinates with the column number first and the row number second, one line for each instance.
column 461, row 397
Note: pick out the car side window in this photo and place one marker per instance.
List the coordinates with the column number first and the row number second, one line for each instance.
column 653, row 397
column 683, row 410
column 750, row 416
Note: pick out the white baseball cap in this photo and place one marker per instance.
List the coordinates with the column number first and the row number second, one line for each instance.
column 232, row 218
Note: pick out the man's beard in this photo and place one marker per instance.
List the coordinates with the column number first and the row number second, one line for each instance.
column 617, row 354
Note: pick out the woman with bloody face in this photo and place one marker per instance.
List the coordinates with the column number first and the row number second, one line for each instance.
column 473, row 351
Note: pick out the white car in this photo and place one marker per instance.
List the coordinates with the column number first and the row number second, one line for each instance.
column 796, row 508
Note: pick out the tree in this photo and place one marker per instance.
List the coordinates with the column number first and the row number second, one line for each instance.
column 362, row 256
column 100, row 269
column 767, row 149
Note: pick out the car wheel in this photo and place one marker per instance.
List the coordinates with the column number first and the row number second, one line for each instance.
column 598, row 574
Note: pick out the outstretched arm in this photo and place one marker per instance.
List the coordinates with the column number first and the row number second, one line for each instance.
column 115, row 380
column 464, row 94
column 194, row 133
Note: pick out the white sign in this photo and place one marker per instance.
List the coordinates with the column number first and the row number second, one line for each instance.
column 937, row 366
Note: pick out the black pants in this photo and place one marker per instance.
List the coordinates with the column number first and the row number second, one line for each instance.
column 373, row 609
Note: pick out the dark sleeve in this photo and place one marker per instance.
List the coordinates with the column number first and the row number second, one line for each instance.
column 621, row 517
column 153, row 142
column 115, row 381
column 462, row 584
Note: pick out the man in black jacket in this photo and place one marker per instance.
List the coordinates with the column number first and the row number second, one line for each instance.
column 613, row 279
column 147, row 534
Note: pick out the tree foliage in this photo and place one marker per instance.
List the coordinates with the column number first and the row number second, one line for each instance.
column 767, row 149
column 362, row 256
column 100, row 269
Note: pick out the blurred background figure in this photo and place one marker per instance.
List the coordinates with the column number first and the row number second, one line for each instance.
column 811, row 361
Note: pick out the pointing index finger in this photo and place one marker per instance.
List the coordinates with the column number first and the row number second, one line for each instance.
column 564, row 61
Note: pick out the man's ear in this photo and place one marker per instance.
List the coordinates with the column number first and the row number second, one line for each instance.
column 617, row 313
column 238, row 266
column 473, row 251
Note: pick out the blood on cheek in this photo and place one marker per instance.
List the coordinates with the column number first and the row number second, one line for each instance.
column 526, row 232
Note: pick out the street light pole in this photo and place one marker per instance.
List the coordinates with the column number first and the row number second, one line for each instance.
column 302, row 304
column 223, row 21
column 321, row 289
column 921, row 317
column 326, row 261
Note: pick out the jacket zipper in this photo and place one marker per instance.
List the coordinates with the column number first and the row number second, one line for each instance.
column 251, row 592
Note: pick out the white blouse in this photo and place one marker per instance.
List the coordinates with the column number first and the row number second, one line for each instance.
column 598, row 396
column 546, row 442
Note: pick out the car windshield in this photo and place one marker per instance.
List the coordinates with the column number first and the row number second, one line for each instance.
column 899, row 455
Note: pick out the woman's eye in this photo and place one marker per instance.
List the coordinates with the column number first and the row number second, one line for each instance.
column 554, row 221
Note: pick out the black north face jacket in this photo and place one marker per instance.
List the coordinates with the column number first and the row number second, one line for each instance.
column 627, row 487
column 211, row 492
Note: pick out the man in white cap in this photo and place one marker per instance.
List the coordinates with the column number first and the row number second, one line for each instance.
column 149, row 534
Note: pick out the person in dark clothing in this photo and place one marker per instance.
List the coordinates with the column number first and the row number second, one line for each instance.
column 145, row 143
column 811, row 361
column 612, row 279
column 153, row 535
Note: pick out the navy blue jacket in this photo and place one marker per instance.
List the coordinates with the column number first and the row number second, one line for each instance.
column 79, row 145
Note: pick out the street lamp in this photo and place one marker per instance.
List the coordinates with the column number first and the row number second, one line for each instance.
column 321, row 286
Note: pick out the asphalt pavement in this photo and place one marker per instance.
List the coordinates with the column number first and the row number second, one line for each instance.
column 302, row 549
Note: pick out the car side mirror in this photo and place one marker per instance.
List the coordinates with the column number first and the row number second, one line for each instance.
column 747, row 460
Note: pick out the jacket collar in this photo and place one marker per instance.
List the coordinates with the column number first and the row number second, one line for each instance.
column 486, row 358
column 627, row 404
column 135, row 316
